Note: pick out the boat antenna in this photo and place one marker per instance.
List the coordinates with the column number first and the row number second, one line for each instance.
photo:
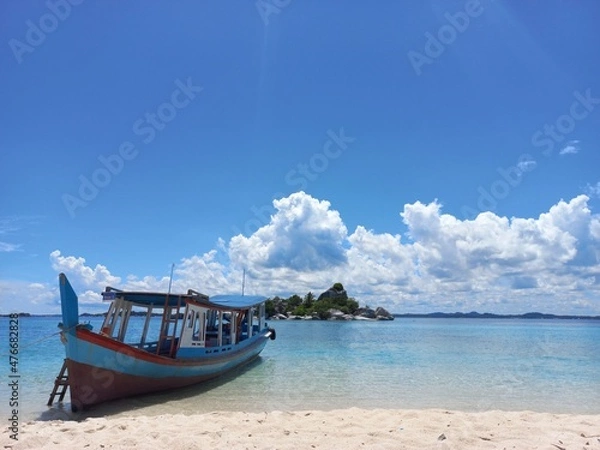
column 243, row 281
column 171, row 277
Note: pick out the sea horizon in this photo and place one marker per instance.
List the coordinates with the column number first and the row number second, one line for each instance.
column 431, row 315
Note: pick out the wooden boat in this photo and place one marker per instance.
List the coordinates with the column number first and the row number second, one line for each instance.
column 193, row 339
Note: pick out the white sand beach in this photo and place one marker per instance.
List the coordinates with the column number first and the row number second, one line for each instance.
column 339, row 429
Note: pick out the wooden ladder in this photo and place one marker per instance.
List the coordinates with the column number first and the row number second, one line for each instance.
column 170, row 316
column 61, row 384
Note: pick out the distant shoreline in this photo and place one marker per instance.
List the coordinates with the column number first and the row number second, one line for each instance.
column 434, row 315
column 476, row 315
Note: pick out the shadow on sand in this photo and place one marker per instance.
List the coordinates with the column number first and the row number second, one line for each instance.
column 62, row 411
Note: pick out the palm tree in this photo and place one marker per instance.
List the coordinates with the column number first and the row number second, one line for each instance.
column 309, row 299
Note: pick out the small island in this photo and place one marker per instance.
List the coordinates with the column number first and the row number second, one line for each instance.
column 332, row 304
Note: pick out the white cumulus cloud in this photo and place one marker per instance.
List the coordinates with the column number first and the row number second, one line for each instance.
column 570, row 148
column 490, row 263
column 304, row 234
column 98, row 276
column 527, row 165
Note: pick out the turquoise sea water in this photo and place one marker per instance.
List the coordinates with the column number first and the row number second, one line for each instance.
column 464, row 364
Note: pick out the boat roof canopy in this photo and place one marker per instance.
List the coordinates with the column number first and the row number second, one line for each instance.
column 158, row 299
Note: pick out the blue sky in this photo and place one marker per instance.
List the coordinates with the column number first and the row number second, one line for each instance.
column 434, row 155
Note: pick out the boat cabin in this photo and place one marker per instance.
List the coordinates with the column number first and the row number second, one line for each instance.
column 183, row 325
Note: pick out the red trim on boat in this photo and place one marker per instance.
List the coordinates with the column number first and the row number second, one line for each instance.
column 126, row 349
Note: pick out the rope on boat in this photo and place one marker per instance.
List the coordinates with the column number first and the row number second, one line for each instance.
column 30, row 344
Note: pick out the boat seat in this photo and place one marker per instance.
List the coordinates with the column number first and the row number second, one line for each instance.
column 165, row 348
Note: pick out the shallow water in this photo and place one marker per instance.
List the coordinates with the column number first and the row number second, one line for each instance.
column 464, row 364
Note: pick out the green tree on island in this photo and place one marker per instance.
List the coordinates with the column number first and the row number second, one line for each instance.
column 335, row 298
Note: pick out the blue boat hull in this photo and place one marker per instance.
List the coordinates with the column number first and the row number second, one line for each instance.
column 101, row 369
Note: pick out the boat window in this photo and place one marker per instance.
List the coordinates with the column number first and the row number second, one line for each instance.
column 198, row 334
column 190, row 319
column 211, row 320
column 116, row 323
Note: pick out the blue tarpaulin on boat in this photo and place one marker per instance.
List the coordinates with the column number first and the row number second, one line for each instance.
column 236, row 301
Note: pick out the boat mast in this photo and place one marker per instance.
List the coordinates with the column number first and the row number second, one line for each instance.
column 243, row 281
column 171, row 279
